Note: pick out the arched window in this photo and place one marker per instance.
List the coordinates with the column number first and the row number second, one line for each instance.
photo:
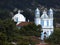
column 51, row 23
column 16, row 19
column 47, row 22
column 42, row 22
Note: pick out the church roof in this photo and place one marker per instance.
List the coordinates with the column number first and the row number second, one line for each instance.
column 18, row 16
column 37, row 9
column 50, row 9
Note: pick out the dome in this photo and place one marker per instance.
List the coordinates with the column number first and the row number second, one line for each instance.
column 19, row 17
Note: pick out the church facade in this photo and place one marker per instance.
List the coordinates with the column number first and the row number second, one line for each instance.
column 46, row 21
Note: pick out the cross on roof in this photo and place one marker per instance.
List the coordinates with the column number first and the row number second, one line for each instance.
column 19, row 11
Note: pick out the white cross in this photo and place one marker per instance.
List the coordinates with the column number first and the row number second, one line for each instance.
column 19, row 11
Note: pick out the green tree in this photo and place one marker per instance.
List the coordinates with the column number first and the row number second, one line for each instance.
column 31, row 30
column 8, row 31
column 55, row 37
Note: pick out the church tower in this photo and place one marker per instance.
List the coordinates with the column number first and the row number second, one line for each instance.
column 51, row 20
column 51, row 17
column 37, row 16
column 50, row 13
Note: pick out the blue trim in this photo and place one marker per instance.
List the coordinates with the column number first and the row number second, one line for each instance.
column 16, row 19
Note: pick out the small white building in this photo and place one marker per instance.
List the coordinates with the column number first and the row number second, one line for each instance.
column 46, row 21
column 18, row 18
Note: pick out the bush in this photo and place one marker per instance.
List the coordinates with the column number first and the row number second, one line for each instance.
column 55, row 37
column 31, row 30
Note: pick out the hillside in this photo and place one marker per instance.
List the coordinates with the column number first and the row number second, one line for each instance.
column 10, row 4
column 28, row 6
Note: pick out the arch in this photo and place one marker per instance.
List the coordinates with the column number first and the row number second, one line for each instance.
column 47, row 22
column 42, row 22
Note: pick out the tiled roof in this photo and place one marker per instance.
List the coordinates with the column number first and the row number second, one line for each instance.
column 24, row 23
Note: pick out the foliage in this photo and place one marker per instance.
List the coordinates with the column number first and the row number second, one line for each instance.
column 55, row 37
column 31, row 30
column 10, row 33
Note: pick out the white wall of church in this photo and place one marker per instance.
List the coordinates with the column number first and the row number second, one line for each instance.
column 50, row 22
column 37, row 21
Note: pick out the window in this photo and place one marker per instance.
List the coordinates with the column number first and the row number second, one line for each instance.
column 51, row 23
column 16, row 19
column 42, row 22
column 47, row 22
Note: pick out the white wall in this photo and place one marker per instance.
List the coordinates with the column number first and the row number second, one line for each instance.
column 37, row 21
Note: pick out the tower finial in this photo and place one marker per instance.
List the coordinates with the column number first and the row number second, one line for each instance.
column 50, row 12
column 44, row 12
column 37, row 13
column 37, row 9
column 19, row 11
column 51, row 9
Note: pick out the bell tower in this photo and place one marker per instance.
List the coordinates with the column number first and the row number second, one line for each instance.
column 50, row 13
column 37, row 16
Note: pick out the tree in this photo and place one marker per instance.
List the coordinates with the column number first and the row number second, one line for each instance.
column 55, row 37
column 8, row 31
column 31, row 30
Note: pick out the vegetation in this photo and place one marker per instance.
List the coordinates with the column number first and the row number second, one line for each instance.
column 10, row 33
column 54, row 39
column 31, row 30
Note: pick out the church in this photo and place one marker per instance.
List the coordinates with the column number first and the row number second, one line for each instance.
column 45, row 20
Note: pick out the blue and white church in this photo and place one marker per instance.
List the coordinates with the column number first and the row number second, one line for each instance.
column 46, row 21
